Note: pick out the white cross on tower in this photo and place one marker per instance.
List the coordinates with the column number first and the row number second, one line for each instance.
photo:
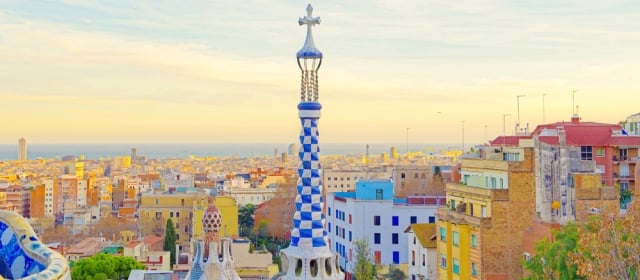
column 309, row 20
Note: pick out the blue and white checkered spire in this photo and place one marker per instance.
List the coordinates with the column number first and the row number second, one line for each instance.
column 309, row 247
column 308, row 221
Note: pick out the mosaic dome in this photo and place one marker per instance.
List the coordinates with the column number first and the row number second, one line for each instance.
column 212, row 220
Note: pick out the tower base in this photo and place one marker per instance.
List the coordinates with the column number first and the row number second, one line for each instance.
column 309, row 263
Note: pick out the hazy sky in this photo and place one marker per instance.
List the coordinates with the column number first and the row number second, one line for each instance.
column 224, row 71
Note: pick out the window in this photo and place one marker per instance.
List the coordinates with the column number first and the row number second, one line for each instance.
column 329, row 227
column 376, row 238
column 171, row 214
column 414, row 239
column 424, row 263
column 443, row 234
column 349, row 236
column 402, row 175
column 415, row 175
column 413, row 257
column 379, row 194
column 453, row 204
column 395, row 221
column 177, row 236
column 394, row 238
column 443, row 261
column 501, row 183
column 337, row 231
column 376, row 220
column 414, row 220
column 471, row 208
column 456, row 266
column 343, row 231
column 599, row 152
column 349, row 218
column 337, row 213
column 378, row 257
column 177, row 214
column 483, row 211
column 586, row 153
column 329, row 212
column 455, row 236
column 623, row 154
column 474, row 241
column 396, row 257
column 527, row 257
column 432, row 219
column 494, row 183
column 474, row 269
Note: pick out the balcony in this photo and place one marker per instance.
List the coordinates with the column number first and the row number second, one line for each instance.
column 623, row 177
column 462, row 218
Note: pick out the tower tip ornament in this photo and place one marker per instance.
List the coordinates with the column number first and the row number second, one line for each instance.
column 309, row 60
column 309, row 49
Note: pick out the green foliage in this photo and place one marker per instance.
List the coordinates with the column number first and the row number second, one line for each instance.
column 245, row 219
column 363, row 267
column 104, row 266
column 625, row 197
column 551, row 258
column 169, row 243
column 395, row 274
column 251, row 248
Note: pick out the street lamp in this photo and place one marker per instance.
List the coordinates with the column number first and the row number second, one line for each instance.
column 407, row 143
column 543, row 111
column 504, row 132
column 518, row 124
column 573, row 102
column 462, row 136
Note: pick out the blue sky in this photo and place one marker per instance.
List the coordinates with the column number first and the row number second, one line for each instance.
column 224, row 71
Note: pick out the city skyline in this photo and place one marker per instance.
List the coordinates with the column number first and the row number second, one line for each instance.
column 139, row 72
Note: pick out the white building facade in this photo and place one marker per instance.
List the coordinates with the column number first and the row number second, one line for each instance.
column 372, row 213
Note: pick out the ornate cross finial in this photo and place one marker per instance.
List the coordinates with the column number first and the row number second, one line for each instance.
column 309, row 49
column 309, row 20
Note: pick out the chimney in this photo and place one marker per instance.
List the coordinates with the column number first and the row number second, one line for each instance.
column 575, row 118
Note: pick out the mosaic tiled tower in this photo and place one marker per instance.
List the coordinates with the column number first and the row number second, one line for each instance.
column 308, row 256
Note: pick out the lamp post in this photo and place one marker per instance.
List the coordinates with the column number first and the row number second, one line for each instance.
column 573, row 102
column 407, row 146
column 543, row 111
column 518, row 124
column 462, row 136
column 504, row 129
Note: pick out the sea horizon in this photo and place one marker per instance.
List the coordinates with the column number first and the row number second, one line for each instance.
column 95, row 151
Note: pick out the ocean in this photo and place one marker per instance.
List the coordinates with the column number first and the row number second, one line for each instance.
column 167, row 151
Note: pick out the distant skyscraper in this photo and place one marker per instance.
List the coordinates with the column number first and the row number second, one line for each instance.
column 292, row 149
column 308, row 255
column 134, row 154
column 22, row 149
column 393, row 153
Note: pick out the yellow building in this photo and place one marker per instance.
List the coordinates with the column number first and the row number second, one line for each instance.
column 186, row 210
column 480, row 231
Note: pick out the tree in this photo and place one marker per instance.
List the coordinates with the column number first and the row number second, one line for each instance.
column 245, row 218
column 169, row 243
column 104, row 266
column 363, row 268
column 551, row 259
column 395, row 274
column 609, row 246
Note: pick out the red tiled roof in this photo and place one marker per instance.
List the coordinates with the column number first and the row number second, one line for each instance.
column 577, row 134
column 152, row 239
column 508, row 140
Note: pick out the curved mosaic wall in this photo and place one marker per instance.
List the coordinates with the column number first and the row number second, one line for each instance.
column 23, row 256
